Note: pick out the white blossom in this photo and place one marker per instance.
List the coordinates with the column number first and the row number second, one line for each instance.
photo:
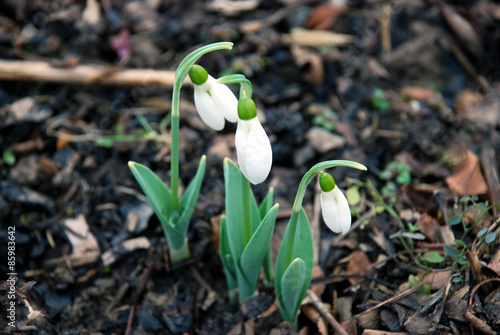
column 336, row 212
column 253, row 149
column 215, row 102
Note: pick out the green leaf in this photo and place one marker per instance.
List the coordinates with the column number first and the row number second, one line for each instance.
column 454, row 220
column 353, row 196
column 155, row 190
column 464, row 199
column 292, row 282
column 482, row 206
column 265, row 207
column 225, row 255
column 297, row 243
column 433, row 257
column 451, row 251
column 491, row 237
column 267, row 203
column 9, row 157
column 482, row 232
column 232, row 181
column 258, row 246
column 190, row 197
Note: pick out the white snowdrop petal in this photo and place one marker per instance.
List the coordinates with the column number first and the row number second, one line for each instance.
column 226, row 101
column 344, row 210
column 253, row 150
column 207, row 109
column 335, row 210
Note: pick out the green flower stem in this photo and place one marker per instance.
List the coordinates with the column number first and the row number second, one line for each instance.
column 246, row 89
column 247, row 213
column 180, row 76
column 297, row 205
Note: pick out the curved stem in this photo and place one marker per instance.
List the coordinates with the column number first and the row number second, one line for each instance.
column 246, row 89
column 297, row 205
column 180, row 76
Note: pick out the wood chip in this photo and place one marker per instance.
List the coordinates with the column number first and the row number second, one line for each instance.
column 315, row 38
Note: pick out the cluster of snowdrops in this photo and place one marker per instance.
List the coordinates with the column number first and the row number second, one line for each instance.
column 247, row 227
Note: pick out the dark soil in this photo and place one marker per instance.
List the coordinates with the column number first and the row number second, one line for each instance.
column 416, row 101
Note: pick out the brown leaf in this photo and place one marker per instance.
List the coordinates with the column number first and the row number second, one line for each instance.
column 308, row 59
column 468, row 179
column 437, row 279
column 465, row 101
column 358, row 265
column 324, row 16
column 429, row 226
column 463, row 29
column 419, row 93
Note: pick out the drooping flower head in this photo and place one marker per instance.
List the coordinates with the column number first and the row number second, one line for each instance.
column 253, row 147
column 214, row 102
column 334, row 205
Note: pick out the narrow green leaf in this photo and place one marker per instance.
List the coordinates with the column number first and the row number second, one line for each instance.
column 454, row 220
column 297, row 243
column 258, row 246
column 433, row 257
column 451, row 251
column 265, row 207
column 155, row 190
column 234, row 210
column 225, row 254
column 292, row 282
column 267, row 203
column 190, row 197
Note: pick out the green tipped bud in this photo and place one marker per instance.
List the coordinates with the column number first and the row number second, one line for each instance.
column 198, row 75
column 326, row 182
column 246, row 109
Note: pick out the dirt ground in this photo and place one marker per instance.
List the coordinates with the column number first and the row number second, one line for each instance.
column 408, row 88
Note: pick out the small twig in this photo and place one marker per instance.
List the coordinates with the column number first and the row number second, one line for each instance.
column 140, row 288
column 204, row 284
column 93, row 74
column 391, row 300
column 316, row 302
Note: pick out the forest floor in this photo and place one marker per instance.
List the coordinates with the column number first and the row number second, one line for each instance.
column 408, row 88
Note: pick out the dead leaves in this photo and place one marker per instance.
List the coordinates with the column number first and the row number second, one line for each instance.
column 468, row 178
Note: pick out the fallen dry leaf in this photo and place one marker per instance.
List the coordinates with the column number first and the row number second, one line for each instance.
column 464, row 31
column 318, row 38
column 437, row 279
column 324, row 16
column 429, row 226
column 468, row 178
column 358, row 265
column 419, row 93
column 465, row 101
column 303, row 58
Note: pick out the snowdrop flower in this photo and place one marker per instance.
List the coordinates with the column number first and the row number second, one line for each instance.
column 253, row 147
column 334, row 205
column 215, row 102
